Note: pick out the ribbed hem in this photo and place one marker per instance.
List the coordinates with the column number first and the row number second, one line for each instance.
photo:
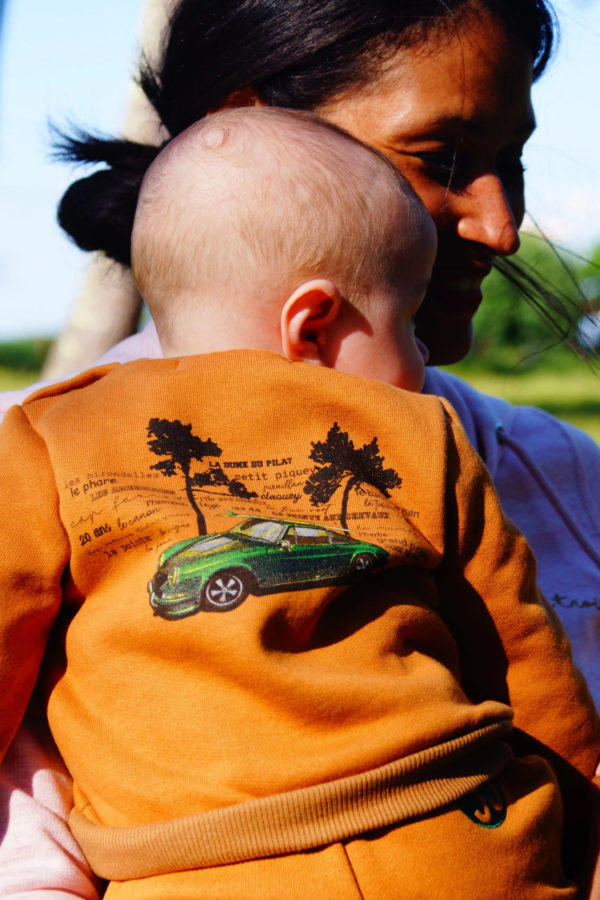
column 299, row 820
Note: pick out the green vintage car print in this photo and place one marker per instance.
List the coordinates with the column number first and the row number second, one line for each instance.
column 257, row 556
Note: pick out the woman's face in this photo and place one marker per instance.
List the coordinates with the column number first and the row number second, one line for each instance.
column 453, row 115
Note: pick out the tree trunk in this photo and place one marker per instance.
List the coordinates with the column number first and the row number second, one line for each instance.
column 108, row 306
column 189, row 490
column 107, row 310
column 351, row 483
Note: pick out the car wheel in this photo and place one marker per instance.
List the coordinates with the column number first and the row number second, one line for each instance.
column 225, row 590
column 363, row 562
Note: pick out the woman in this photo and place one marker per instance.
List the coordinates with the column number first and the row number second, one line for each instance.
column 443, row 88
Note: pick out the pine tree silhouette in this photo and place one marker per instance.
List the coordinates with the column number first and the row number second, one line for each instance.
column 176, row 441
column 338, row 459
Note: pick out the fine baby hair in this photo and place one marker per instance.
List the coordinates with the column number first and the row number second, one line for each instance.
column 248, row 203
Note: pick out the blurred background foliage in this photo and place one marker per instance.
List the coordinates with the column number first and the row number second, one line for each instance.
column 25, row 356
column 517, row 353
column 510, row 332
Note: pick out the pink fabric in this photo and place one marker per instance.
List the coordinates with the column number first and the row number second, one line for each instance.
column 39, row 857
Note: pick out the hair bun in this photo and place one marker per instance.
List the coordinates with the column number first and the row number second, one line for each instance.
column 97, row 212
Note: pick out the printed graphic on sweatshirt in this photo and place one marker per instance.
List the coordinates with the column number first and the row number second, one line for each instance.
column 181, row 448
column 339, row 463
column 341, row 488
column 256, row 556
column 260, row 554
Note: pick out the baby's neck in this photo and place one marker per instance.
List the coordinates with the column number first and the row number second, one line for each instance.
column 196, row 343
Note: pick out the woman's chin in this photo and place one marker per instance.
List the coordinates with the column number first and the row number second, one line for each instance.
column 445, row 323
column 448, row 344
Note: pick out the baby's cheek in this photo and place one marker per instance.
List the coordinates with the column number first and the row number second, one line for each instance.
column 415, row 371
column 421, row 347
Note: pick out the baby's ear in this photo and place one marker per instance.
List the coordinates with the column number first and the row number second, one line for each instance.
column 308, row 318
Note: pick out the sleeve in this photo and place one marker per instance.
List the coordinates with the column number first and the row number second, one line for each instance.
column 568, row 458
column 34, row 551
column 143, row 344
column 38, row 855
column 511, row 644
column 11, row 398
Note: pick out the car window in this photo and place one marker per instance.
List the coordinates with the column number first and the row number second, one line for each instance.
column 337, row 538
column 208, row 544
column 262, row 530
column 306, row 535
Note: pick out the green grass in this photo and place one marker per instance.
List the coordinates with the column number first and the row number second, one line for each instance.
column 28, row 354
column 12, row 379
column 21, row 362
column 570, row 391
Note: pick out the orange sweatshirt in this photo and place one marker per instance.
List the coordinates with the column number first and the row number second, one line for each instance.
column 287, row 609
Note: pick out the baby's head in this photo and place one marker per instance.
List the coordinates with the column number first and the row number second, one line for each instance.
column 262, row 228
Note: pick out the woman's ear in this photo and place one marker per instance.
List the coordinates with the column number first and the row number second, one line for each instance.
column 244, row 97
column 308, row 318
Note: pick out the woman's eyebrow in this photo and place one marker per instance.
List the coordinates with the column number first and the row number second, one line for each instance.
column 476, row 125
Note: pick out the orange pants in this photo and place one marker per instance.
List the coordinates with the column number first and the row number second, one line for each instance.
column 505, row 844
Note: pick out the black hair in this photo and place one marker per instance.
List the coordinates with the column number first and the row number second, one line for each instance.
column 292, row 53
column 300, row 53
column 98, row 211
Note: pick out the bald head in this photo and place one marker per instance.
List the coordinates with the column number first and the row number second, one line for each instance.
column 246, row 204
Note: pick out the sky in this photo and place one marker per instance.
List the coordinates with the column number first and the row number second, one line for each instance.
column 72, row 60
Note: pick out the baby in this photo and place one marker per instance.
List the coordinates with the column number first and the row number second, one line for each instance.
column 296, row 647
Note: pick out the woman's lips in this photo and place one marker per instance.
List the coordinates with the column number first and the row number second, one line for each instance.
column 463, row 285
column 456, row 295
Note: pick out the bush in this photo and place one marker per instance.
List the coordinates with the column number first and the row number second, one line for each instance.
column 26, row 355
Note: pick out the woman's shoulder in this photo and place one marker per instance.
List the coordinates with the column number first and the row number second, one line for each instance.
column 480, row 414
column 492, row 423
column 545, row 472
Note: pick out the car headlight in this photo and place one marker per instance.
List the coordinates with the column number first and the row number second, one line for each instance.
column 174, row 576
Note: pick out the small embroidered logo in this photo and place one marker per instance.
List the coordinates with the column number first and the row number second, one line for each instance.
column 485, row 805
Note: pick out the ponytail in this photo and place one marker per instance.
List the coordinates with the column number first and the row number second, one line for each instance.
column 97, row 212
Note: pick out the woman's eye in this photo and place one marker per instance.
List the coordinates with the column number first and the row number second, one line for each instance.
column 452, row 169
column 442, row 161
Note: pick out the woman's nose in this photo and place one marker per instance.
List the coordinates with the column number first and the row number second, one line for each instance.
column 486, row 216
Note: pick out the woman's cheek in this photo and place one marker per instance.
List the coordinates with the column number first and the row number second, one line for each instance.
column 433, row 194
